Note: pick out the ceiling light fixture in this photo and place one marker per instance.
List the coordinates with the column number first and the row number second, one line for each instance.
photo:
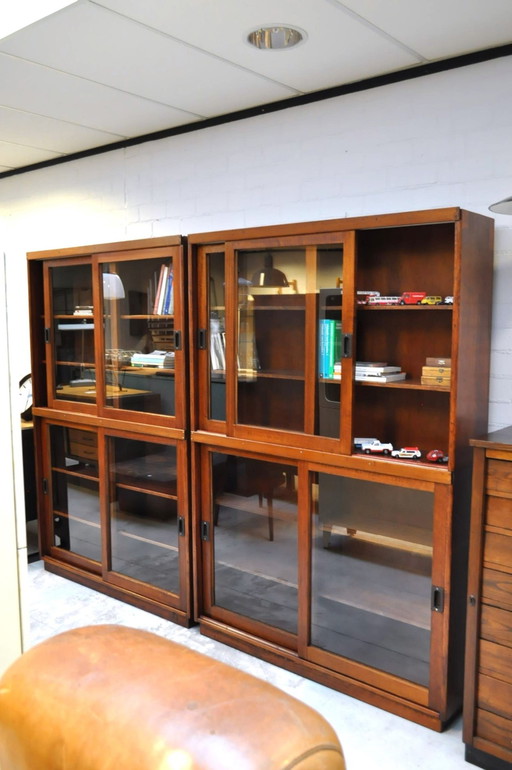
column 502, row 207
column 275, row 37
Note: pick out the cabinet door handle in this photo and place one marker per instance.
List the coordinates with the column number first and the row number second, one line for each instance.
column 201, row 339
column 205, row 531
column 437, row 603
column 177, row 340
column 347, row 346
column 181, row 526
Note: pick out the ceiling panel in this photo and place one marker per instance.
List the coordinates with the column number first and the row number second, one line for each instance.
column 104, row 47
column 48, row 134
column 440, row 28
column 16, row 155
column 337, row 47
column 45, row 91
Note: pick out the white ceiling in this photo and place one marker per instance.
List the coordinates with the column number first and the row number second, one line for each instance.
column 103, row 71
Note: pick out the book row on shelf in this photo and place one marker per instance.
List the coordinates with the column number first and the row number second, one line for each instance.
column 164, row 296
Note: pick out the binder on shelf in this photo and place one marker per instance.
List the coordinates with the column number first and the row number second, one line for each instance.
column 329, row 347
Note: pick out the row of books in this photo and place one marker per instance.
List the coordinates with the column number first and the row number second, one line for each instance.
column 164, row 297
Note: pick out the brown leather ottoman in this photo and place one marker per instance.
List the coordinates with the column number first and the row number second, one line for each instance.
column 115, row 698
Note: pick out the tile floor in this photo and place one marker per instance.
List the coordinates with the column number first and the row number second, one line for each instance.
column 370, row 737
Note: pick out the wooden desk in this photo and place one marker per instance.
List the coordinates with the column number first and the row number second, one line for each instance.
column 124, row 398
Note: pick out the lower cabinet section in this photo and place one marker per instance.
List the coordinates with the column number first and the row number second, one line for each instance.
column 488, row 685
column 340, row 575
column 115, row 514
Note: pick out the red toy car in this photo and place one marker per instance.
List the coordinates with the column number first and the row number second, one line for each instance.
column 436, row 456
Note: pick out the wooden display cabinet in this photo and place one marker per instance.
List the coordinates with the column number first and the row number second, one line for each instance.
column 280, row 389
column 110, row 412
column 488, row 682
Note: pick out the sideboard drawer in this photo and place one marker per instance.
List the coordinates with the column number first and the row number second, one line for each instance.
column 494, row 728
column 496, row 660
column 497, row 587
column 496, row 625
column 495, row 696
column 498, row 550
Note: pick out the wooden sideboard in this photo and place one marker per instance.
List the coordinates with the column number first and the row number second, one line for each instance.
column 488, row 682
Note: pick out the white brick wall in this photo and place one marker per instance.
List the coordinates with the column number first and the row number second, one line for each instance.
column 441, row 140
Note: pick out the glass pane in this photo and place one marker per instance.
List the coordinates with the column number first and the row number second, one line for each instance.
column 255, row 539
column 76, row 511
column 371, row 580
column 138, row 299
column 73, row 333
column 217, row 348
column 273, row 365
column 144, row 512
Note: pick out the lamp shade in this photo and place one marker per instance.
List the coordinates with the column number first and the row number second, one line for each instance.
column 112, row 286
column 502, row 207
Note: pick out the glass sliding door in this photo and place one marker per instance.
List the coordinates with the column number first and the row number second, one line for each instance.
column 254, row 540
column 371, row 574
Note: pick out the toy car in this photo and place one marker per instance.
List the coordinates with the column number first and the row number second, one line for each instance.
column 407, row 453
column 436, row 456
column 448, row 300
column 372, row 446
column 395, row 300
column 431, row 300
column 412, row 297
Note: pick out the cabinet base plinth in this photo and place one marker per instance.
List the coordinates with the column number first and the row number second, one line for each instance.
column 290, row 661
column 485, row 760
column 141, row 602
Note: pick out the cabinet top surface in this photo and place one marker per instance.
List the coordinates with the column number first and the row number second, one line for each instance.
column 498, row 439
column 79, row 251
column 375, row 221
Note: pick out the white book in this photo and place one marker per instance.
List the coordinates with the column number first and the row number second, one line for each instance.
column 381, row 378
column 376, row 370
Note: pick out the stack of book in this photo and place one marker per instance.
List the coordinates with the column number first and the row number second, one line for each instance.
column 437, row 371
column 378, row 371
column 164, row 297
column 156, row 358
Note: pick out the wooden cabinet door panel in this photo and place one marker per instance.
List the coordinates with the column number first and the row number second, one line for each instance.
column 496, row 625
column 495, row 696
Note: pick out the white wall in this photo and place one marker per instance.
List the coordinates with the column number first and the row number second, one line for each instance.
column 440, row 140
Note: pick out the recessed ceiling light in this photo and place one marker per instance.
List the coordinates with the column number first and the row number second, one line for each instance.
column 275, row 37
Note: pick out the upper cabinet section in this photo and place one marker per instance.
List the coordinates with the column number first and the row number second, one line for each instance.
column 361, row 337
column 110, row 331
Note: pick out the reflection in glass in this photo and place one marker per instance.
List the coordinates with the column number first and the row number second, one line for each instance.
column 371, row 579
column 217, row 336
column 272, row 346
column 255, row 539
column 73, row 332
column 139, row 339
column 76, row 514
column 144, row 512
